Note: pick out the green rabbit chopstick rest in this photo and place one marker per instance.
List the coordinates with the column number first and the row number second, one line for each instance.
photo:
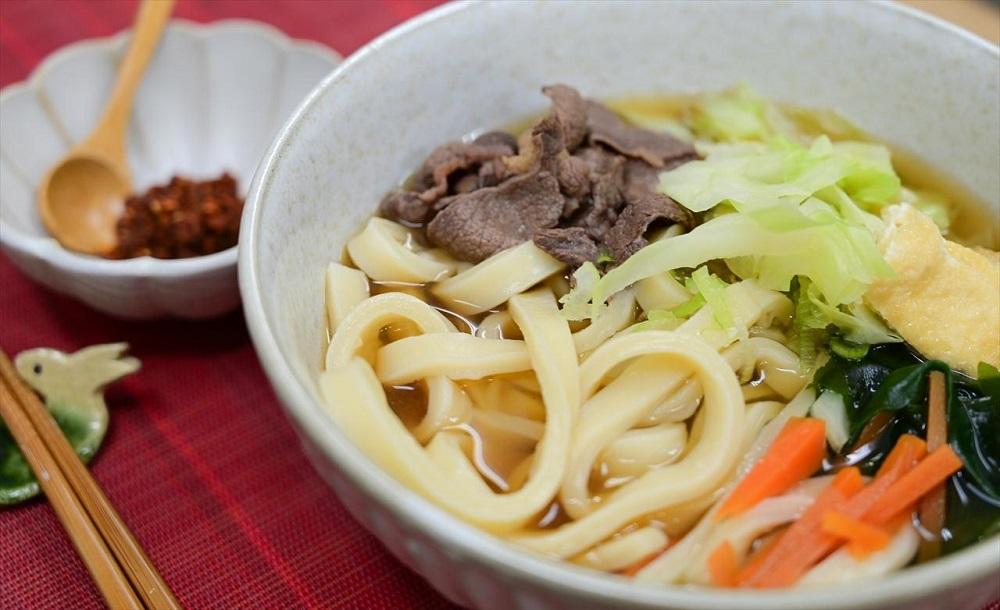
column 72, row 386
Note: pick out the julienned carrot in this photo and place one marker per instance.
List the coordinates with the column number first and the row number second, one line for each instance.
column 904, row 493
column 907, row 453
column 862, row 538
column 909, row 450
column 755, row 560
column 932, row 506
column 804, row 543
column 795, row 454
column 723, row 565
column 937, row 426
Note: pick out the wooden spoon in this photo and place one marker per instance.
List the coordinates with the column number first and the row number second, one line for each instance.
column 82, row 196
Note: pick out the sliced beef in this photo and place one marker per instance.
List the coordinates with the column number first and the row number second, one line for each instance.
column 476, row 225
column 546, row 150
column 497, row 138
column 657, row 149
column 627, row 236
column 406, row 206
column 574, row 176
column 466, row 183
column 579, row 182
column 607, row 197
column 570, row 110
column 457, row 157
column 570, row 245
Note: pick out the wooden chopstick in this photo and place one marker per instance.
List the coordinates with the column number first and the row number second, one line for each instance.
column 111, row 581
column 75, row 479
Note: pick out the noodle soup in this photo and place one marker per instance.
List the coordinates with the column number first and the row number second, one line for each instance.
column 669, row 338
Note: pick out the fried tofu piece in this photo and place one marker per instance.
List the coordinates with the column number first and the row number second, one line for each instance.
column 945, row 298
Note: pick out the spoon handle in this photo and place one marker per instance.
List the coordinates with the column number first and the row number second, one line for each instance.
column 109, row 136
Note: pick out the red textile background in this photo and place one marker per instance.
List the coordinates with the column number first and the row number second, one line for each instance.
column 199, row 459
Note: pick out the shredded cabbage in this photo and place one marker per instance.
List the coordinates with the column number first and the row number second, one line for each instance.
column 575, row 302
column 830, row 408
column 932, row 203
column 713, row 291
column 858, row 324
column 755, row 177
column 735, row 114
column 657, row 319
column 809, row 326
column 787, row 211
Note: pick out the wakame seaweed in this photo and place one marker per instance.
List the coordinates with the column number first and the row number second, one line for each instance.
column 892, row 378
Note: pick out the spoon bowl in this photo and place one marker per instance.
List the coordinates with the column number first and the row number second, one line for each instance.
column 84, row 196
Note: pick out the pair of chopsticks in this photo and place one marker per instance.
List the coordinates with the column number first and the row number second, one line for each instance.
column 124, row 575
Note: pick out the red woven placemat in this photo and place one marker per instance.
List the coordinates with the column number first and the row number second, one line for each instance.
column 199, row 459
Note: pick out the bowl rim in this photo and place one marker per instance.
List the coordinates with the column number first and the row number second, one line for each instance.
column 47, row 248
column 514, row 564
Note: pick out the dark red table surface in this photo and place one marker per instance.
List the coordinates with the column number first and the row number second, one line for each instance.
column 199, row 459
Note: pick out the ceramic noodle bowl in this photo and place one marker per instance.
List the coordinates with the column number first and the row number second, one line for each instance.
column 909, row 80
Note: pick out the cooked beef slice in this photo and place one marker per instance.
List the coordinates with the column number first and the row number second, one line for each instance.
column 497, row 138
column 574, row 176
column 466, row 183
column 547, row 151
column 642, row 181
column 600, row 211
column 570, row 245
column 492, row 173
column 476, row 225
column 570, row 110
column 455, row 157
column 406, row 206
column 626, row 237
column 657, row 149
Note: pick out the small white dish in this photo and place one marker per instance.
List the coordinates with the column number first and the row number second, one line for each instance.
column 903, row 76
column 211, row 101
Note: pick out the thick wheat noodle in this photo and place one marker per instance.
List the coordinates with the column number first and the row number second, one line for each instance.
column 386, row 251
column 638, row 450
column 698, row 473
column 618, row 315
column 498, row 278
column 625, row 550
column 357, row 402
column 841, row 567
column 668, row 567
column 356, row 335
column 609, row 412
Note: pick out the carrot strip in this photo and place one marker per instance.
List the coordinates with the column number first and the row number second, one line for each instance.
column 937, row 426
column 796, row 453
column 723, row 565
column 930, row 472
column 932, row 507
column 755, row 560
column 909, row 450
column 804, row 543
column 907, row 453
column 862, row 538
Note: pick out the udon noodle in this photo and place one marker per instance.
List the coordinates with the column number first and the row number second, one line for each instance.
column 611, row 441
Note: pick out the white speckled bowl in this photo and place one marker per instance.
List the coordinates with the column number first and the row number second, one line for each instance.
column 906, row 77
column 212, row 100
